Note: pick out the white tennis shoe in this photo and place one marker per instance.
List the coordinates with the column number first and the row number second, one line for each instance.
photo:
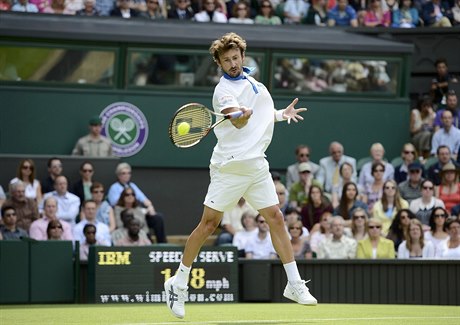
column 299, row 293
column 175, row 298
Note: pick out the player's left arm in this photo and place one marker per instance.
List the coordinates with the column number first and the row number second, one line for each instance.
column 241, row 121
column 290, row 113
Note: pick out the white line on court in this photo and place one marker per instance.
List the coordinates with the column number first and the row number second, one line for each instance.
column 293, row 321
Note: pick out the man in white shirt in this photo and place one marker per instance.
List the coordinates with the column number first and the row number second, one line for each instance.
column 329, row 173
column 102, row 230
column 338, row 246
column 260, row 246
column 377, row 153
column 449, row 135
column 68, row 203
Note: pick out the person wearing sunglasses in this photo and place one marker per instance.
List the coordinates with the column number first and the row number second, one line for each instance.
column 388, row 206
column 26, row 174
column 408, row 155
column 437, row 233
column 261, row 246
column 54, row 230
column 411, row 188
column 302, row 154
column 267, row 15
column 9, row 229
column 358, row 224
column 154, row 10
column 399, row 226
column 241, row 13
column 375, row 246
column 82, row 188
column 424, row 205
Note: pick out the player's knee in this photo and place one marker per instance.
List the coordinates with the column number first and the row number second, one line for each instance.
column 276, row 217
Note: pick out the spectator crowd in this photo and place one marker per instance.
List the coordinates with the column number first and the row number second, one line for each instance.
column 353, row 13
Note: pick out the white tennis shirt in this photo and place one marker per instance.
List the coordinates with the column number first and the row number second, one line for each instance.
column 252, row 140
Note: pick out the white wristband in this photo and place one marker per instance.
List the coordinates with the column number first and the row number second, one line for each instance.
column 279, row 115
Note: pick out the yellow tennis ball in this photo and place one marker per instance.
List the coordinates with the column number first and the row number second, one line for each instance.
column 183, row 128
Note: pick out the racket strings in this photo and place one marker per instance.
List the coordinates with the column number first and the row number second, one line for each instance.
column 200, row 121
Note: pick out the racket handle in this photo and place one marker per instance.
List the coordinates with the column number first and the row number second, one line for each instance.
column 233, row 115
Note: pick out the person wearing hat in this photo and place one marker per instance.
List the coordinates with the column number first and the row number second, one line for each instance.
column 302, row 153
column 94, row 144
column 298, row 194
column 449, row 189
column 411, row 188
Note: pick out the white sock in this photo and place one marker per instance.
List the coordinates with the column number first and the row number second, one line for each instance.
column 292, row 272
column 182, row 276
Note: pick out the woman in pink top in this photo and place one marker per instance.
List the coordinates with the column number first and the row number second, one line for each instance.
column 375, row 16
column 449, row 189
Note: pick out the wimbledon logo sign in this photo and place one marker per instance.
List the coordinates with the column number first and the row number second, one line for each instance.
column 126, row 126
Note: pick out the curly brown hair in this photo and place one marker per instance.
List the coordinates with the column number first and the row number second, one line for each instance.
column 227, row 42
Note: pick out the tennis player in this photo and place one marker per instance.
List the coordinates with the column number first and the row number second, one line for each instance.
column 239, row 169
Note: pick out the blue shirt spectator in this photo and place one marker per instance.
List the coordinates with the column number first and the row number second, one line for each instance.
column 24, row 6
column 342, row 15
column 104, row 7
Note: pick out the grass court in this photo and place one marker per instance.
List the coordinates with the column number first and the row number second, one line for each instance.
column 228, row 314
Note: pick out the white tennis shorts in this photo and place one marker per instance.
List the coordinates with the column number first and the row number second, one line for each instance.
column 250, row 179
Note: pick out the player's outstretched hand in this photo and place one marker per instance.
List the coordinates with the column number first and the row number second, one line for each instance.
column 292, row 113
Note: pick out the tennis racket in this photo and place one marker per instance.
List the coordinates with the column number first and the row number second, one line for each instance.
column 200, row 119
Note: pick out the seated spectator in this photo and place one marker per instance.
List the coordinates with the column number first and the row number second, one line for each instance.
column 120, row 235
column 82, row 188
column 299, row 242
column 54, row 230
column 452, row 106
column 105, row 213
column 124, row 9
column 406, row 16
column 342, row 15
column 388, row 206
column 131, row 237
column 54, row 170
column 241, row 13
column 38, row 228
column 147, row 221
column 5, row 5
column 69, row 204
column 282, row 196
column 437, row 234
column 94, row 144
column 26, row 174
column 316, row 237
column 26, row 209
column 58, row 7
column 210, row 13
column 358, row 224
column 348, row 202
column 376, row 16
column 317, row 13
column 329, row 173
column 2, row 196
column 346, row 176
column 153, row 11
column 74, row 5
column 241, row 237
column 399, row 226
column 372, row 192
column 103, row 233
column 411, row 189
column 302, row 153
column 298, row 195
column 123, row 172
column 337, row 246
column 260, row 246
column 456, row 13
column 231, row 221
column 89, row 230
column 449, row 189
column 291, row 215
column 104, row 7
column 89, row 9
column 9, row 228
column 266, row 15
column 24, row 6
column 423, row 206
column 451, row 249
column 448, row 135
column 316, row 206
column 437, row 13
column 414, row 245
column 440, row 84
column 422, row 126
column 408, row 155
column 377, row 152
column 375, row 246
column 181, row 10
column 444, row 157
column 295, row 11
